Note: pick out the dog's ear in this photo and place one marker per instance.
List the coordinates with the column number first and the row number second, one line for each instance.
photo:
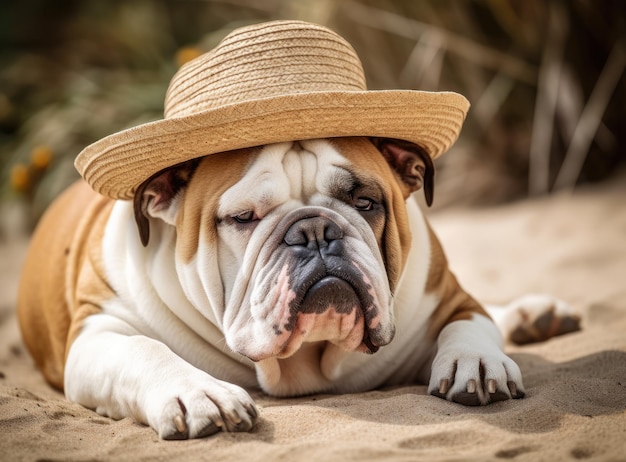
column 159, row 197
column 411, row 163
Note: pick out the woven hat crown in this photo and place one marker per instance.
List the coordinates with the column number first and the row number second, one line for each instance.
column 263, row 61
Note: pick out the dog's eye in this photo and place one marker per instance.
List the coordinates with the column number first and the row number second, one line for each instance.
column 245, row 217
column 363, row 204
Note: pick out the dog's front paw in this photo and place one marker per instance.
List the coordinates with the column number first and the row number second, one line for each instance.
column 199, row 408
column 536, row 318
column 474, row 378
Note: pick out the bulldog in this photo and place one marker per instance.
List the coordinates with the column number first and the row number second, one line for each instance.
column 300, row 267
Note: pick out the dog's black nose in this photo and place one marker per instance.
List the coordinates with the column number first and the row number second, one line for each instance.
column 315, row 233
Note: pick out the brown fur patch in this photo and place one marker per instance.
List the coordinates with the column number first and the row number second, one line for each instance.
column 213, row 176
column 455, row 304
column 87, row 282
column 57, row 253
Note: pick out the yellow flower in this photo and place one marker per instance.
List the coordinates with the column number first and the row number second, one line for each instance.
column 40, row 157
column 20, row 179
column 186, row 54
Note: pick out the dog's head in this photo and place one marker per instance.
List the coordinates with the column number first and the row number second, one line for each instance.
column 293, row 242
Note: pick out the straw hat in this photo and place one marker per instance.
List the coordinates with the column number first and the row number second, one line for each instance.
column 267, row 83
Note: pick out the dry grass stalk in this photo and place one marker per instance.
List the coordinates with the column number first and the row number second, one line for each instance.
column 464, row 47
column 590, row 119
column 545, row 105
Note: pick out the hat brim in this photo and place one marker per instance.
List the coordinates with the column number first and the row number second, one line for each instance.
column 116, row 165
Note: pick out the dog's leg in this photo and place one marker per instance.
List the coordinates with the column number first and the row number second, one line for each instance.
column 115, row 370
column 470, row 366
column 534, row 318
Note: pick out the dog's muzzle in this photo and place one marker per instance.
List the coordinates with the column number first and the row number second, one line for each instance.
column 320, row 281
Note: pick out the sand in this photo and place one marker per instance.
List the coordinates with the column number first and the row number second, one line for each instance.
column 572, row 246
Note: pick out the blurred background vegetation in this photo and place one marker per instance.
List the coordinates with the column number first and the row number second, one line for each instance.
column 545, row 79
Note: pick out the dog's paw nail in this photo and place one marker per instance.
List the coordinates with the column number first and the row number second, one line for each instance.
column 471, row 386
column 180, row 424
column 252, row 412
column 515, row 393
column 444, row 386
column 491, row 386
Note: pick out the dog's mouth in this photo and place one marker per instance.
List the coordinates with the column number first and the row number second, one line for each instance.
column 332, row 292
column 339, row 308
column 335, row 310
